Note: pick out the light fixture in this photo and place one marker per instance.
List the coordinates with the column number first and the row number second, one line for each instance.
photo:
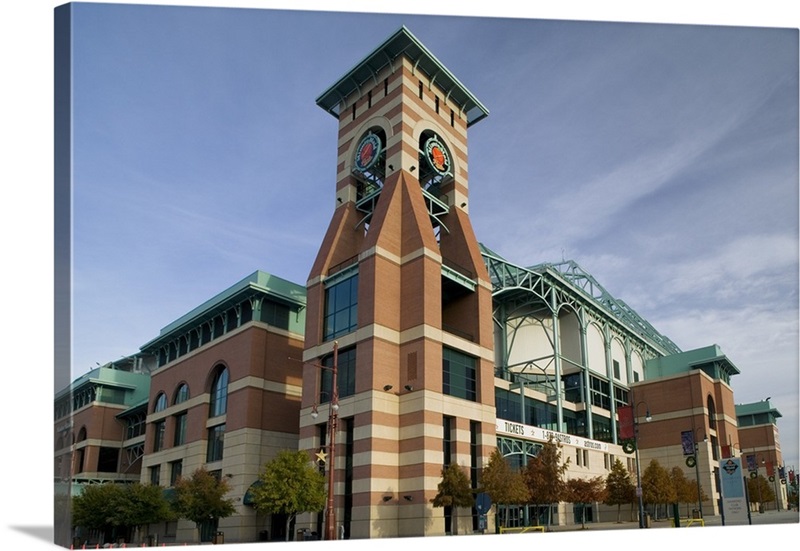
column 387, row 388
column 647, row 416
column 314, row 412
column 463, row 205
column 408, row 498
column 339, row 199
column 335, row 406
column 409, row 388
column 386, row 498
column 391, row 167
column 412, row 169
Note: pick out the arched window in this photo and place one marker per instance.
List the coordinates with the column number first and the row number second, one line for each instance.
column 712, row 413
column 219, row 393
column 161, row 402
column 182, row 394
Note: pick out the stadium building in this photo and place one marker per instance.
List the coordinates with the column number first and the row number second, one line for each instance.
column 443, row 350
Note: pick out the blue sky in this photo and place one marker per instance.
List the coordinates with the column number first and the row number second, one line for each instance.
column 663, row 158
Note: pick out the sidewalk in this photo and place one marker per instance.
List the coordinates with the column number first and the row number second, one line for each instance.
column 770, row 517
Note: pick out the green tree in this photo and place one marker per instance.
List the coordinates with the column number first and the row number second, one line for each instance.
column 290, row 484
column 685, row 488
column 504, row 485
column 201, row 498
column 141, row 505
column 455, row 491
column 544, row 476
column 620, row 488
column 95, row 507
column 585, row 491
column 760, row 491
column 657, row 487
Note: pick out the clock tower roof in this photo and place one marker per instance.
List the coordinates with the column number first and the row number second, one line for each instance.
column 398, row 44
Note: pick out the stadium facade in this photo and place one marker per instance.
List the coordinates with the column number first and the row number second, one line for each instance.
column 444, row 350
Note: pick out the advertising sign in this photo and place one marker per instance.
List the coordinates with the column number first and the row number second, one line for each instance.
column 734, row 498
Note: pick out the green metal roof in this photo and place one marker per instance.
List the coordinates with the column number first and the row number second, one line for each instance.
column 402, row 43
column 756, row 408
column 278, row 289
column 138, row 384
column 708, row 358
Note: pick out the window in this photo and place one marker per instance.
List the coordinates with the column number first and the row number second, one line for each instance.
column 107, row 460
column 341, row 308
column 615, row 364
column 620, row 396
column 369, row 99
column 447, row 439
column 420, row 89
column 275, row 314
column 216, row 441
column 436, row 104
column 219, row 394
column 175, row 470
column 600, row 393
column 182, row 394
column 180, row 430
column 458, row 375
column 158, row 441
column 155, row 475
column 452, row 117
column 345, row 375
column 161, row 402
column 136, row 425
column 601, row 428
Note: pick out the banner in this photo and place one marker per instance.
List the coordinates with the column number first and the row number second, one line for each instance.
column 687, row 442
column 626, row 428
column 751, row 463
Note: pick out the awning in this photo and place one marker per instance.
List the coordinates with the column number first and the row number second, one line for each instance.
column 248, row 495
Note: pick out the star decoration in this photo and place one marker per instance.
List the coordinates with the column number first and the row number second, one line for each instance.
column 322, row 456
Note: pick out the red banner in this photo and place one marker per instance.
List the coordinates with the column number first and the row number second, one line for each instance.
column 625, row 414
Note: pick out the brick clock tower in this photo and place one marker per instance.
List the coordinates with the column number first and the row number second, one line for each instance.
column 399, row 289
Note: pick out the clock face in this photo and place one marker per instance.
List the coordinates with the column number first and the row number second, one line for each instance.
column 437, row 156
column 367, row 152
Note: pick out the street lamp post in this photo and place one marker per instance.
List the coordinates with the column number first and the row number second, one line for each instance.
column 333, row 417
column 639, row 491
column 697, row 470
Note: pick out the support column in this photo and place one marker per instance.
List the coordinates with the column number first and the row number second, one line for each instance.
column 557, row 362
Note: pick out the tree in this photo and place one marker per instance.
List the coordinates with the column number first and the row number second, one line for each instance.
column 290, row 484
column 94, row 508
column 656, row 486
column 455, row 491
column 544, row 476
column 620, row 488
column 760, row 491
column 585, row 491
column 504, row 485
column 685, row 488
column 142, row 505
column 201, row 498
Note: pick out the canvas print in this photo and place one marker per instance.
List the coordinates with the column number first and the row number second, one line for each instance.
column 352, row 276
